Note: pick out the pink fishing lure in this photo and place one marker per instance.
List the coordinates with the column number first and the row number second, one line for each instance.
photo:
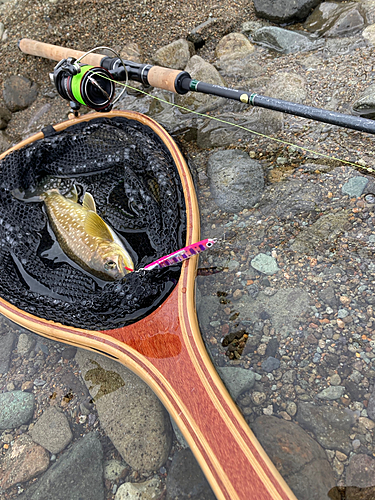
column 183, row 254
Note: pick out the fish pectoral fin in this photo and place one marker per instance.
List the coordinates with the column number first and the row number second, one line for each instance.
column 95, row 226
column 89, row 202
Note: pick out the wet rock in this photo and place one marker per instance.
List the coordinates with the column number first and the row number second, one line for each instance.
column 179, row 436
column 283, row 308
column 148, row 490
column 5, row 116
column 234, row 45
column 19, row 92
column 212, row 133
column 5, row 142
column 364, row 105
column 174, row 55
column 299, row 459
column 293, row 197
column 129, row 412
column 237, row 380
column 25, row 343
column 335, row 19
column 23, row 461
column 265, row 264
column 371, row 406
column 78, row 473
column 236, row 180
column 331, row 393
column 285, row 41
column 330, row 425
column 199, row 69
column 52, row 431
column 114, row 469
column 361, row 471
column 323, row 231
column 284, row 11
column 270, row 364
column 234, row 56
column 185, row 479
column 352, row 493
column 16, row 408
column 7, row 338
column 369, row 34
column 355, row 186
column 328, row 296
column 207, row 306
column 272, row 347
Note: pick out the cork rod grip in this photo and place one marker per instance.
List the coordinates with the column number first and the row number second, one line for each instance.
column 163, row 78
column 56, row 53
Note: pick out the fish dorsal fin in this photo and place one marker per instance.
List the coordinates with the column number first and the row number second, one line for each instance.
column 72, row 194
column 95, row 226
column 89, row 202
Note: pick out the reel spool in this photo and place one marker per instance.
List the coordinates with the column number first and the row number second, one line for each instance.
column 84, row 84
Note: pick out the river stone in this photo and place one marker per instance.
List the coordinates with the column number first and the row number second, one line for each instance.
column 76, row 475
column 285, row 41
column 234, row 45
column 19, row 92
column 185, row 479
column 115, row 469
column 5, row 116
column 23, row 461
column 52, row 431
column 335, row 19
column 324, row 231
column 237, row 380
column 132, row 52
column 7, row 338
column 361, row 471
column 199, row 69
column 129, row 412
column 207, row 306
column 284, row 11
column 16, row 408
column 26, row 342
column 265, row 264
column 270, row 364
column 364, row 105
column 174, row 55
column 331, row 393
column 148, row 490
column 236, row 180
column 330, row 425
column 234, row 54
column 299, row 459
column 355, row 186
column 371, row 405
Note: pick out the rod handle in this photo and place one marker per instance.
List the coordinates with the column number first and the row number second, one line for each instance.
column 55, row 52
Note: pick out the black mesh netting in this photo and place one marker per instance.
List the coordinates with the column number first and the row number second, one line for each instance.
column 137, row 189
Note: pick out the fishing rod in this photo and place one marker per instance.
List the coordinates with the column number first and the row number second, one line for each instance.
column 92, row 83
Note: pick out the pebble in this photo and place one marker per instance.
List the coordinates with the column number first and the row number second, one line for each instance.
column 331, row 393
column 16, row 408
column 270, row 364
column 265, row 264
column 52, row 431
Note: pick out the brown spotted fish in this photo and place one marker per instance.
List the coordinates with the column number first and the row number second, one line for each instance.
column 85, row 237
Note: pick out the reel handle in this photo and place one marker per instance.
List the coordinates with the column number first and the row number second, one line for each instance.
column 156, row 76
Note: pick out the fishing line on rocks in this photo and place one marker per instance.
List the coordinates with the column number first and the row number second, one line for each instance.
column 226, row 122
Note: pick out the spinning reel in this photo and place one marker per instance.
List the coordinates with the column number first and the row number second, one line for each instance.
column 94, row 86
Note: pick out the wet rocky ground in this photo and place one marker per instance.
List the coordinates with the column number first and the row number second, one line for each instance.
column 285, row 299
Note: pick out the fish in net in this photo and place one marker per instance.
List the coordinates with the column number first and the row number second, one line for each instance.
column 138, row 192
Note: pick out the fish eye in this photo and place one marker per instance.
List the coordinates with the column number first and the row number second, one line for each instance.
column 108, row 266
column 209, row 244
